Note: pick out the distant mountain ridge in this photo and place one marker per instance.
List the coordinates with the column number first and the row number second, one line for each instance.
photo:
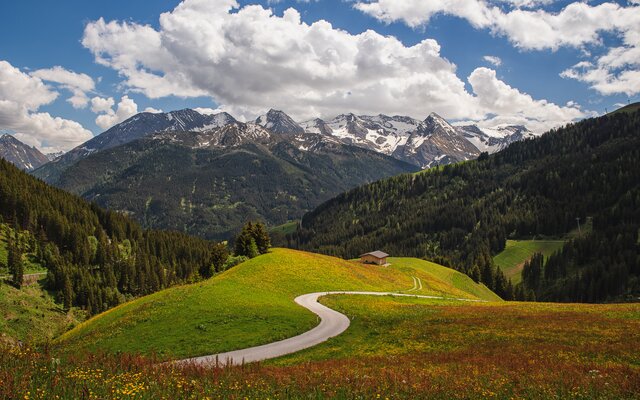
column 21, row 155
column 423, row 143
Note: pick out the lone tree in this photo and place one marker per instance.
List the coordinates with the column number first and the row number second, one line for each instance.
column 253, row 240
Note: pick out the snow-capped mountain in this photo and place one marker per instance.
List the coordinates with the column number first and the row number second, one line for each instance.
column 229, row 135
column 54, row 155
column 21, row 155
column 138, row 126
column 278, row 122
column 424, row 143
column 145, row 123
column 435, row 142
column 380, row 133
column 496, row 138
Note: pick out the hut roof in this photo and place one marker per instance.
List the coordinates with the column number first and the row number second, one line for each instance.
column 377, row 254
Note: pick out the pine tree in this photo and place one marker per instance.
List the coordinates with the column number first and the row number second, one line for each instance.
column 67, row 293
column 14, row 262
column 475, row 274
column 261, row 236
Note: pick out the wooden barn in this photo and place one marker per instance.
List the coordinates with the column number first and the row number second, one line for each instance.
column 375, row 257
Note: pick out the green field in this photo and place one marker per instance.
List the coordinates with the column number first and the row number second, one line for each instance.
column 31, row 315
column 252, row 304
column 512, row 258
column 284, row 229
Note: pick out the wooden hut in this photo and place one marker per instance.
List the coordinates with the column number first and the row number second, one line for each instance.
column 375, row 257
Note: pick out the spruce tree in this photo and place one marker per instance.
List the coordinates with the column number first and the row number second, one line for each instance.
column 261, row 236
column 14, row 263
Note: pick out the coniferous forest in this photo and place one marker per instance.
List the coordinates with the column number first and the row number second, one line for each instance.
column 461, row 215
column 96, row 259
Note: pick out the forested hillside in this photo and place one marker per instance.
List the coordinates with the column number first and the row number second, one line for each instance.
column 95, row 258
column 462, row 214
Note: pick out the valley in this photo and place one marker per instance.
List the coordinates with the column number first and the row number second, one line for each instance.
column 320, row 200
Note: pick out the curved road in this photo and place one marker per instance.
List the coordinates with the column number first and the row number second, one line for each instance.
column 332, row 323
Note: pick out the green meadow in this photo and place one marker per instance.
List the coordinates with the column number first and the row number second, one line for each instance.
column 512, row 258
column 252, row 304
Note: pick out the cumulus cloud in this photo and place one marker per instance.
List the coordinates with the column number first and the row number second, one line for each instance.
column 514, row 107
column 21, row 96
column 493, row 60
column 227, row 52
column 530, row 27
column 152, row 110
column 108, row 115
column 77, row 84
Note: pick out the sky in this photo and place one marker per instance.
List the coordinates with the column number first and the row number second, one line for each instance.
column 70, row 70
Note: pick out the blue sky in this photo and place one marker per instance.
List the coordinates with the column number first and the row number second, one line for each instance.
column 450, row 75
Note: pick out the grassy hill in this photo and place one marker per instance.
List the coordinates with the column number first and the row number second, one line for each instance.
column 516, row 252
column 252, row 304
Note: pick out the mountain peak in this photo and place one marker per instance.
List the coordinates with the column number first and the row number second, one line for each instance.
column 20, row 154
column 279, row 122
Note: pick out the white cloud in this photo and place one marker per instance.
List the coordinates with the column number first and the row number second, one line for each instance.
column 108, row 116
column 152, row 110
column 514, row 107
column 101, row 104
column 77, row 84
column 578, row 25
column 493, row 60
column 217, row 49
column 21, row 96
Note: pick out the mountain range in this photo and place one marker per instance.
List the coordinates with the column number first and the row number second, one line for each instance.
column 207, row 178
column 207, row 174
column 21, row 155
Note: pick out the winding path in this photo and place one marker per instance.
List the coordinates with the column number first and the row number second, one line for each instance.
column 332, row 323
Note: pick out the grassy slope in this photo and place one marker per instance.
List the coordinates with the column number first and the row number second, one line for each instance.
column 512, row 258
column 388, row 327
column 286, row 228
column 251, row 304
column 30, row 314
column 630, row 108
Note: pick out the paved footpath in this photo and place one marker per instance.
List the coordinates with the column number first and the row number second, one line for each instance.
column 332, row 323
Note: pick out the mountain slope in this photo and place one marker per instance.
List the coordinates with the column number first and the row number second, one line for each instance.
column 22, row 156
column 462, row 214
column 134, row 128
column 210, row 182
